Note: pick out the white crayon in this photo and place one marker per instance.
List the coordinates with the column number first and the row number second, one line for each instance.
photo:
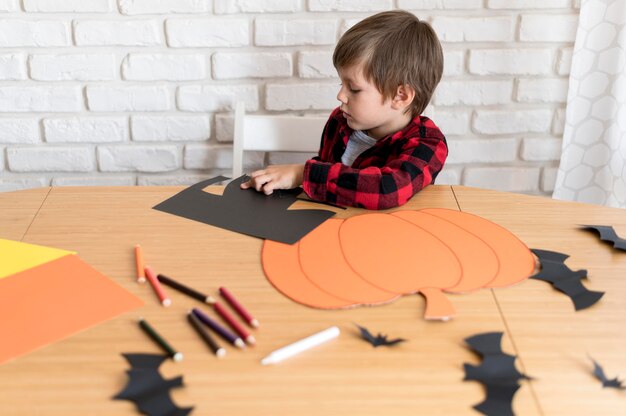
column 302, row 345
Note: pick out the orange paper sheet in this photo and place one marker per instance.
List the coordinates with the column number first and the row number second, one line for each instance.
column 54, row 300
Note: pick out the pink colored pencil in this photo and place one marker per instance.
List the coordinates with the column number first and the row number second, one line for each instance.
column 221, row 311
column 253, row 322
column 158, row 289
column 141, row 277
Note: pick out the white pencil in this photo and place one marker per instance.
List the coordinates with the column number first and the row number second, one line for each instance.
column 302, row 345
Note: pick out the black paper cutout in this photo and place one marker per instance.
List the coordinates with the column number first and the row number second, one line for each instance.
column 497, row 372
column 608, row 234
column 554, row 271
column 379, row 339
column 598, row 372
column 148, row 389
column 246, row 211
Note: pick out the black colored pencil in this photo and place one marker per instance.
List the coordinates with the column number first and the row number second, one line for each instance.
column 185, row 289
column 176, row 356
column 204, row 334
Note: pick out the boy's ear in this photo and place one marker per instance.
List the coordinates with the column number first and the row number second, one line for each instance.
column 404, row 97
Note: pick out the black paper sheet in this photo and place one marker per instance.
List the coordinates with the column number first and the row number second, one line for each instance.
column 246, row 211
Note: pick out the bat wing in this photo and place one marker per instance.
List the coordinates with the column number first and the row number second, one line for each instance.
column 145, row 361
column 579, row 294
column 499, row 399
column 379, row 339
column 394, row 341
column 553, row 267
column 367, row 335
column 161, row 405
column 607, row 233
column 550, row 255
column 146, row 383
column 487, row 343
column 554, row 271
column 598, row 372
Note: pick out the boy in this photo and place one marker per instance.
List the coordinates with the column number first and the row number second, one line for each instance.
column 376, row 150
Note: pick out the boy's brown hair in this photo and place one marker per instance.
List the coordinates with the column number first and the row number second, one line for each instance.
column 395, row 48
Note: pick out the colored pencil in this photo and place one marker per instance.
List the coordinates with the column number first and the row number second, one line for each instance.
column 158, row 289
column 220, row 330
column 141, row 277
column 204, row 334
column 185, row 289
column 302, row 345
column 175, row 355
column 253, row 322
column 221, row 311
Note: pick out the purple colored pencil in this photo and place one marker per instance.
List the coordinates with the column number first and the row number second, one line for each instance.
column 219, row 330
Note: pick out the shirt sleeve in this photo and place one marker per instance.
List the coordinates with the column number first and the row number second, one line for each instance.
column 373, row 187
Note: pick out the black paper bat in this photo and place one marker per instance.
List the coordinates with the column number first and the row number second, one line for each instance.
column 148, row 389
column 246, row 211
column 497, row 372
column 607, row 233
column 379, row 339
column 564, row 279
column 598, row 371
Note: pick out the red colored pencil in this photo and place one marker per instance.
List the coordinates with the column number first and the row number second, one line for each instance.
column 158, row 289
column 221, row 311
column 141, row 277
column 253, row 322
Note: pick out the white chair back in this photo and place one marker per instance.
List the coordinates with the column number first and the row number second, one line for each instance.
column 273, row 133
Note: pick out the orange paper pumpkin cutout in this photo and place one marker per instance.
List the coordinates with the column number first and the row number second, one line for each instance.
column 331, row 273
column 374, row 258
column 280, row 261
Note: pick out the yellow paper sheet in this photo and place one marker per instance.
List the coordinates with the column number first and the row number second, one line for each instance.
column 16, row 257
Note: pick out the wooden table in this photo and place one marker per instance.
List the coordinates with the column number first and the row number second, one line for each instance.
column 79, row 375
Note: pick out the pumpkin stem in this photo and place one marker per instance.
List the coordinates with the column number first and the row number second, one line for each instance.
column 438, row 306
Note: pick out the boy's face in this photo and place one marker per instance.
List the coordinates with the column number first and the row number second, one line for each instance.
column 364, row 107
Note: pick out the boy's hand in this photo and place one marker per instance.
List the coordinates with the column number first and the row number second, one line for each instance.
column 275, row 177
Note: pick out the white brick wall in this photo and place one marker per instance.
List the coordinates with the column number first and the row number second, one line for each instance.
column 36, row 33
column 170, row 128
column 8, row 5
column 79, row 6
column 117, row 33
column 215, row 32
column 51, row 159
column 164, row 67
column 85, row 129
column 474, row 29
column 140, row 158
column 128, row 98
column 136, row 7
column 281, row 32
column 228, row 65
column 19, row 130
column 141, row 92
column 13, row 66
column 72, row 67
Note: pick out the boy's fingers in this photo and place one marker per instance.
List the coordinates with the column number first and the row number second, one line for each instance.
column 268, row 188
column 260, row 181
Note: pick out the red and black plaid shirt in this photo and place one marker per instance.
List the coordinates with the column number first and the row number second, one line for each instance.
column 384, row 176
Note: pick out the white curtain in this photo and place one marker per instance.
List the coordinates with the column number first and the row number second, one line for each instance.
column 593, row 160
